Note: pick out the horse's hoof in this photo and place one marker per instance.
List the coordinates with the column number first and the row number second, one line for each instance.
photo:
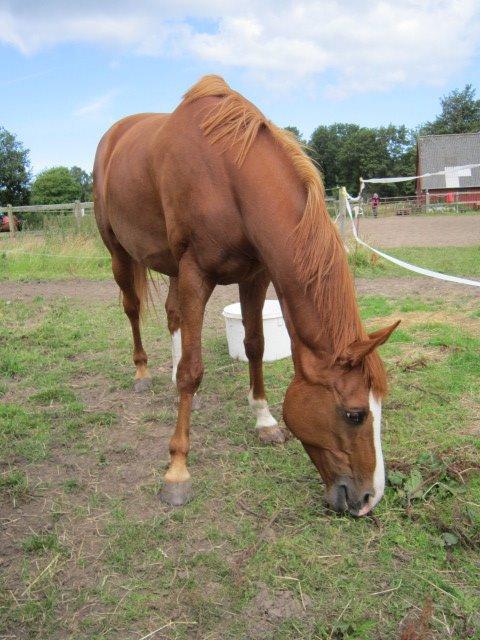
column 142, row 384
column 273, row 435
column 196, row 403
column 176, row 493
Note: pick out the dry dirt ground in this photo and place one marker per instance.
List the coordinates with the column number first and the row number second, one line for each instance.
column 105, row 291
column 421, row 231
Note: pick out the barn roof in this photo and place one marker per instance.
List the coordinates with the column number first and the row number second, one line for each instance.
column 439, row 152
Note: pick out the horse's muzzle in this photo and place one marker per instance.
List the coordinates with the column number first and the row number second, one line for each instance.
column 344, row 496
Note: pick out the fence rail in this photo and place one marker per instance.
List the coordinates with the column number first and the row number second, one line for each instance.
column 77, row 208
column 462, row 198
column 44, row 208
column 425, row 203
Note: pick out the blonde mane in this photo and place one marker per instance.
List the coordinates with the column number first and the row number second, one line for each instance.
column 319, row 253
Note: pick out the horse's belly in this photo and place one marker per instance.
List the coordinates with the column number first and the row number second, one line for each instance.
column 146, row 244
column 163, row 262
column 225, row 266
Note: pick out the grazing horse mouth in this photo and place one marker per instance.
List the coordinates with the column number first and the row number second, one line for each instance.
column 343, row 503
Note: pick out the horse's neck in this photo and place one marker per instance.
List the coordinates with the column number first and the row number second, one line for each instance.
column 303, row 314
column 273, row 206
column 303, row 319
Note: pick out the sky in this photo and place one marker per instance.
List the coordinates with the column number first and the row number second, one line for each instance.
column 69, row 70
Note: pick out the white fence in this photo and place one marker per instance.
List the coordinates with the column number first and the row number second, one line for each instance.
column 435, row 202
column 77, row 208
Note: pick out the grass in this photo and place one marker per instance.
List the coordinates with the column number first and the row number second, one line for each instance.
column 92, row 553
column 456, row 261
column 60, row 250
column 38, row 543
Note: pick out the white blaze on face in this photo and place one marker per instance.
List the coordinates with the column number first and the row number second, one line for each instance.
column 262, row 412
column 176, row 352
column 379, row 473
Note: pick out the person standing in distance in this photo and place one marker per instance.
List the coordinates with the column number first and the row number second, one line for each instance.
column 375, row 203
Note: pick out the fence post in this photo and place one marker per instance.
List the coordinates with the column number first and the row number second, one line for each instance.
column 77, row 210
column 427, row 201
column 342, row 211
column 11, row 219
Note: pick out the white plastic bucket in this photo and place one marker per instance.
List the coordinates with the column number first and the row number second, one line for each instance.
column 277, row 340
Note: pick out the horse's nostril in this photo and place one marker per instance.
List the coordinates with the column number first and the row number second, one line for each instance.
column 366, row 497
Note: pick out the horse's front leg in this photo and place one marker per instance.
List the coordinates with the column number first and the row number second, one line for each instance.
column 194, row 290
column 252, row 297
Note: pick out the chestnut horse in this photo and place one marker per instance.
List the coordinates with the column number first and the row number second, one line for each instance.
column 214, row 193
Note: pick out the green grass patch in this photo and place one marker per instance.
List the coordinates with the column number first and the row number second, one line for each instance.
column 457, row 261
column 40, row 542
column 55, row 394
column 60, row 250
column 14, row 483
column 23, row 433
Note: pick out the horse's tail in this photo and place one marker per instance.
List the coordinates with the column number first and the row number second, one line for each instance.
column 142, row 285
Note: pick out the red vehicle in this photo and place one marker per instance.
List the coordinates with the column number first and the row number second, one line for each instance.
column 5, row 225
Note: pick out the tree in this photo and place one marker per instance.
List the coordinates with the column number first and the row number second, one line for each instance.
column 345, row 152
column 460, row 113
column 402, row 150
column 55, row 186
column 323, row 148
column 85, row 181
column 362, row 154
column 296, row 133
column 14, row 170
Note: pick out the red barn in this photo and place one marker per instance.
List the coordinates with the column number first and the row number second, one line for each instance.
column 449, row 152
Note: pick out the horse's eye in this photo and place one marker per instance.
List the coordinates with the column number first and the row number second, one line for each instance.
column 355, row 417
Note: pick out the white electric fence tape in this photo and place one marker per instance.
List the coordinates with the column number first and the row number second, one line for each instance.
column 407, row 178
column 15, row 252
column 402, row 263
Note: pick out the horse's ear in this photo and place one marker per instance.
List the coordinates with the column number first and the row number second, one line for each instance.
column 357, row 351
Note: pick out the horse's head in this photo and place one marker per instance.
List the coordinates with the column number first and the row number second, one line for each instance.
column 335, row 411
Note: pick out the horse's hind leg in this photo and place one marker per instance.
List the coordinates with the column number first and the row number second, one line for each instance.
column 131, row 278
column 252, row 297
column 172, row 307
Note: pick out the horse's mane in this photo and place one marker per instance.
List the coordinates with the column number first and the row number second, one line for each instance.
column 319, row 253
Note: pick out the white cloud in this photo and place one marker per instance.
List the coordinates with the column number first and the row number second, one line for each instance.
column 95, row 106
column 25, row 78
column 246, row 42
column 365, row 45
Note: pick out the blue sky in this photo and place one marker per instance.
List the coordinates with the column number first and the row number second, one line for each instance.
column 69, row 70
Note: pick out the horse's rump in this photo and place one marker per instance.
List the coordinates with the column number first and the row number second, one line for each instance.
column 127, row 205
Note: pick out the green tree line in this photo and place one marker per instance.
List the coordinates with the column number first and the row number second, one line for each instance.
column 346, row 152
column 343, row 152
column 56, row 185
column 61, row 184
